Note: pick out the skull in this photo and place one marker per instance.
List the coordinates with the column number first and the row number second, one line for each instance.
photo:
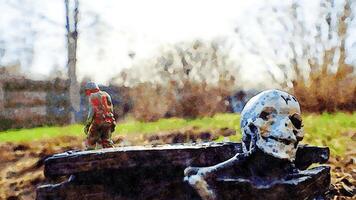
column 271, row 121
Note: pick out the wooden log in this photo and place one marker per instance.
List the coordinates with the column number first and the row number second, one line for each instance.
column 307, row 184
column 306, row 155
column 156, row 172
column 2, row 99
column 23, row 84
column 72, row 191
column 25, row 98
column 25, row 113
column 182, row 155
column 144, row 156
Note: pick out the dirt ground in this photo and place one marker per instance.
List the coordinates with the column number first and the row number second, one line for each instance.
column 21, row 165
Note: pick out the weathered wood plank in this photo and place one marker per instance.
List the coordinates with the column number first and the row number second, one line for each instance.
column 25, row 113
column 172, row 155
column 306, row 155
column 25, row 98
column 143, row 156
column 156, row 172
column 20, row 83
column 308, row 184
column 2, row 98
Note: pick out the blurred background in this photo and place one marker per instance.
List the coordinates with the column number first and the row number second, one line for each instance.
column 178, row 71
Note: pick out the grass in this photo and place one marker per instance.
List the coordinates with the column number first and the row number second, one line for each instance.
column 321, row 130
column 129, row 126
column 326, row 130
column 331, row 130
column 218, row 121
column 24, row 135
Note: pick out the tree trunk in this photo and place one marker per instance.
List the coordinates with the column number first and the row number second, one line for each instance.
column 72, row 37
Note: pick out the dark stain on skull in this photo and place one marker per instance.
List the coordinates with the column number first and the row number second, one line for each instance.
column 286, row 99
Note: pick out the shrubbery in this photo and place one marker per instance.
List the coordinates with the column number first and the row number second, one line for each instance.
column 327, row 91
column 151, row 102
column 188, row 80
column 196, row 81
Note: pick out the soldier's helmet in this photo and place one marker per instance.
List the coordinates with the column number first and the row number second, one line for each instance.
column 91, row 86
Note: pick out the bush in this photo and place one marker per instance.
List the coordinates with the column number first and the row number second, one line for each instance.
column 151, row 102
column 188, row 79
column 327, row 91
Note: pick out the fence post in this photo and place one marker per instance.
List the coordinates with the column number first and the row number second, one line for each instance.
column 2, row 98
column 71, row 8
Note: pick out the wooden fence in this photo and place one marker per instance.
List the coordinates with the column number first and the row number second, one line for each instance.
column 29, row 103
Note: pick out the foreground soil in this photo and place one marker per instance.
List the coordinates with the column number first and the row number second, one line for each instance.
column 21, row 164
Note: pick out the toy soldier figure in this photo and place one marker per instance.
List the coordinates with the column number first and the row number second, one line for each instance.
column 100, row 122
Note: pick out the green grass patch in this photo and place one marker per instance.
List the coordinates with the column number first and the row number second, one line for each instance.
column 330, row 130
column 320, row 130
column 325, row 130
column 218, row 121
column 39, row 133
column 127, row 127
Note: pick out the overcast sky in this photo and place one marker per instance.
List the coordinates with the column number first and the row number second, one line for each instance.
column 110, row 29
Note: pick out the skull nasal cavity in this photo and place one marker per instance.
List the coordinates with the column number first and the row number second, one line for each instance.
column 253, row 128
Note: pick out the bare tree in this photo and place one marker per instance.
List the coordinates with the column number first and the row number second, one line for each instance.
column 196, row 61
column 329, row 84
column 308, row 52
column 72, row 11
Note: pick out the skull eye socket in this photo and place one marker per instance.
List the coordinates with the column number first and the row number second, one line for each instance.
column 266, row 112
column 264, row 115
column 296, row 121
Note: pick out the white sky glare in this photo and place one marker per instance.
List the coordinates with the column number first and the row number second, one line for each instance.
column 143, row 26
column 109, row 30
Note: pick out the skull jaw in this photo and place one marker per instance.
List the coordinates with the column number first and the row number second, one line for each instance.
column 277, row 149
